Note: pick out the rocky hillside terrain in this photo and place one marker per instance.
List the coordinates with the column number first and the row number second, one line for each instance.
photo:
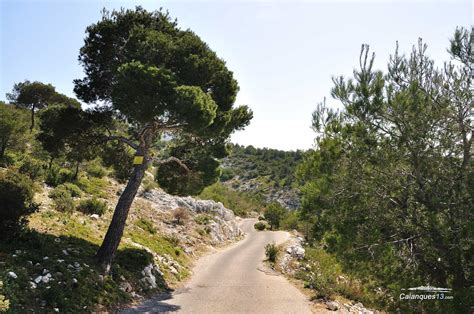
column 269, row 173
column 294, row 263
column 52, row 269
column 286, row 196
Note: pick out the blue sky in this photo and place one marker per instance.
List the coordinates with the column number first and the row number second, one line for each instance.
column 283, row 53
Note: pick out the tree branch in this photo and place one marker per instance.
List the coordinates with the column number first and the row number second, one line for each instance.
column 169, row 159
column 123, row 140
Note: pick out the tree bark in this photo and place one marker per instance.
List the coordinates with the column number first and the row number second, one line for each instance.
column 32, row 118
column 107, row 250
column 77, row 170
column 2, row 149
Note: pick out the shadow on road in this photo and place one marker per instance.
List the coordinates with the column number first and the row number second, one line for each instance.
column 154, row 305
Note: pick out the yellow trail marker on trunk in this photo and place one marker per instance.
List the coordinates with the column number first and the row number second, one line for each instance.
column 138, row 160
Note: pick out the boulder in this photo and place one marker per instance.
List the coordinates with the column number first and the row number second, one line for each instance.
column 46, row 278
column 125, row 286
column 332, row 305
column 149, row 276
column 296, row 250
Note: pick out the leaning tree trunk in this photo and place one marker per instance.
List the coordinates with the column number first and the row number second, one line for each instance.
column 107, row 250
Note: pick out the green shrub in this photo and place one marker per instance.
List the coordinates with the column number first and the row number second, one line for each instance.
column 203, row 219
column 94, row 186
column 146, row 225
column 273, row 214
column 34, row 168
column 62, row 199
column 16, row 200
column 56, row 176
column 172, row 239
column 120, row 157
column 241, row 203
column 149, row 184
column 324, row 274
column 227, row 174
column 271, row 251
column 260, row 225
column 73, row 189
column 95, row 169
column 290, row 221
column 92, row 206
column 52, row 176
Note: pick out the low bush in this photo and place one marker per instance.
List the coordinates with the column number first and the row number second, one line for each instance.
column 227, row 174
column 149, row 184
column 16, row 200
column 324, row 274
column 203, row 219
column 146, row 225
column 56, row 176
column 62, row 199
column 260, row 225
column 33, row 168
column 290, row 221
column 92, row 206
column 94, row 186
column 180, row 215
column 271, row 251
column 73, row 189
column 95, row 169
column 172, row 239
column 241, row 203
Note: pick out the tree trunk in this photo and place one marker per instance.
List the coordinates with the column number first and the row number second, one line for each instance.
column 77, row 170
column 32, row 119
column 107, row 250
column 2, row 149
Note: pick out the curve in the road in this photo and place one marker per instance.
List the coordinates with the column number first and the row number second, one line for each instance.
column 231, row 281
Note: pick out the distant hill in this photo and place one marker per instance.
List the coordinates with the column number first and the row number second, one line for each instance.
column 263, row 171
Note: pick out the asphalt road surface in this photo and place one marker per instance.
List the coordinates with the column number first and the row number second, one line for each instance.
column 233, row 280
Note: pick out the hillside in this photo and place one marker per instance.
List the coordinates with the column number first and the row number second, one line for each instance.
column 52, row 267
column 269, row 173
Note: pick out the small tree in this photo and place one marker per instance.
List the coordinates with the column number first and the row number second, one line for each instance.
column 12, row 127
column 274, row 214
column 16, row 201
column 36, row 95
column 159, row 80
column 73, row 132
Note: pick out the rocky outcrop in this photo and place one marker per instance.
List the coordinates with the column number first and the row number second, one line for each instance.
column 150, row 274
column 223, row 227
column 285, row 196
column 293, row 253
column 351, row 307
column 292, row 261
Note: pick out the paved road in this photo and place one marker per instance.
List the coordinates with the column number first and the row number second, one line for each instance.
column 232, row 281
